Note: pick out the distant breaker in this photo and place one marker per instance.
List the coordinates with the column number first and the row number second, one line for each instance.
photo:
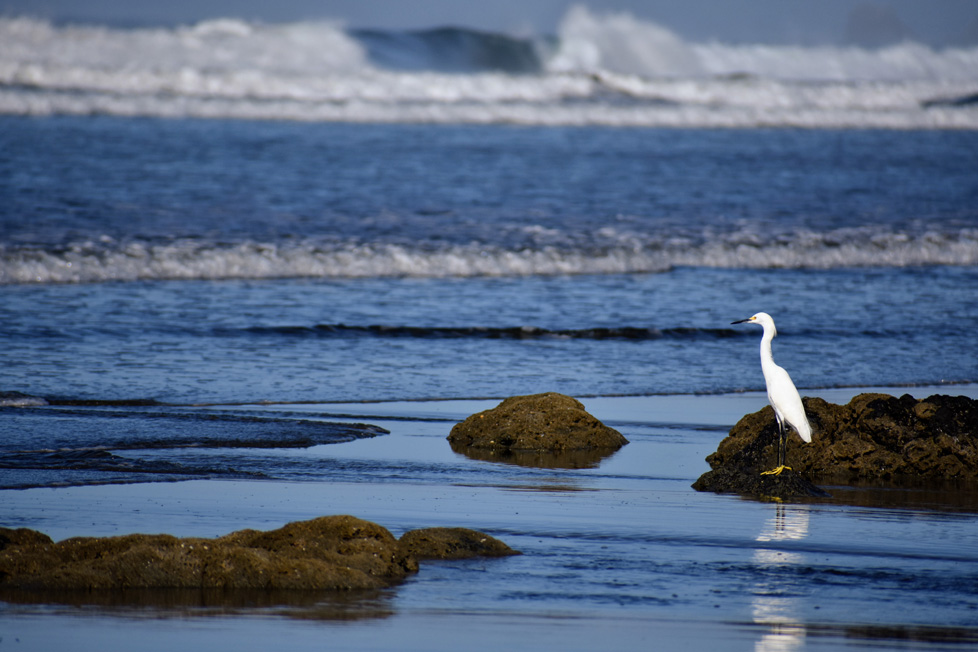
column 612, row 70
column 199, row 259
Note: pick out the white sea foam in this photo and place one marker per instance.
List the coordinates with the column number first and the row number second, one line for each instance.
column 89, row 262
column 18, row 399
column 603, row 70
column 623, row 44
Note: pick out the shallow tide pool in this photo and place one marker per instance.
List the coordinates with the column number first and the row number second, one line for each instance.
column 621, row 553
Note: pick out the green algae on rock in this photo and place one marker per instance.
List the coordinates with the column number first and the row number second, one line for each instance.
column 552, row 424
column 327, row 553
column 452, row 543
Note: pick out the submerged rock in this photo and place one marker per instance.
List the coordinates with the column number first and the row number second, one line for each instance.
column 328, row 553
column 551, row 423
column 876, row 440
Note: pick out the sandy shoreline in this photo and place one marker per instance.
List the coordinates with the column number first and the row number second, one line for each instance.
column 625, row 550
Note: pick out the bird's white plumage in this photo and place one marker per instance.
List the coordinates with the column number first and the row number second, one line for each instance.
column 781, row 391
column 785, row 400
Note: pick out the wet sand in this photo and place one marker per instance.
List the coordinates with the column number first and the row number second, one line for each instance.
column 621, row 554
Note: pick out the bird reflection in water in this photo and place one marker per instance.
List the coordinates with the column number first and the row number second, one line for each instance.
column 775, row 604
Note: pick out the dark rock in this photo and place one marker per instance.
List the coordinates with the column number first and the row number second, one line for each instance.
column 452, row 543
column 328, row 553
column 786, row 485
column 881, row 438
column 22, row 537
column 545, row 423
column 876, row 439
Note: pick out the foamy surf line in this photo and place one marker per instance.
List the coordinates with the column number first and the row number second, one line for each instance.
column 610, row 70
column 930, row 114
column 90, row 263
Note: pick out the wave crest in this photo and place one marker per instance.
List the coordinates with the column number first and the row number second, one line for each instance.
column 620, row 43
column 219, row 46
column 91, row 262
column 599, row 70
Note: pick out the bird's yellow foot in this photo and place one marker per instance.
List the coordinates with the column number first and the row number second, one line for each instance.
column 776, row 471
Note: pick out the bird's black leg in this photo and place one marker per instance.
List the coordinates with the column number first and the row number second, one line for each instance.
column 782, row 449
column 782, row 443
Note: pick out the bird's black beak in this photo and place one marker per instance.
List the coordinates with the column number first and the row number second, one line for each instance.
column 740, row 321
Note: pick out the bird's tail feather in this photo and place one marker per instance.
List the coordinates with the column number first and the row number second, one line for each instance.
column 805, row 431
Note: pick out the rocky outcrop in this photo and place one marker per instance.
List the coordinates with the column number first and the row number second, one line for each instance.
column 328, row 553
column 547, row 426
column 452, row 543
column 876, row 439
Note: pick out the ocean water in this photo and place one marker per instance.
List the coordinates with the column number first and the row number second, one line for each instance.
column 257, row 273
column 198, row 261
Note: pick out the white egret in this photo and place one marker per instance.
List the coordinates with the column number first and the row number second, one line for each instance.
column 781, row 392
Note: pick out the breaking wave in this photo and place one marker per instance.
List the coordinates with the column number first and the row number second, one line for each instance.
column 90, row 262
column 454, row 50
column 598, row 70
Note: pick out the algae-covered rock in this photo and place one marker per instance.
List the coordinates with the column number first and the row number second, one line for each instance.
column 551, row 423
column 452, row 543
column 327, row 553
column 876, row 440
column 332, row 552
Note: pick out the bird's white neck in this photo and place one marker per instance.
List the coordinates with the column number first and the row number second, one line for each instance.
column 767, row 357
